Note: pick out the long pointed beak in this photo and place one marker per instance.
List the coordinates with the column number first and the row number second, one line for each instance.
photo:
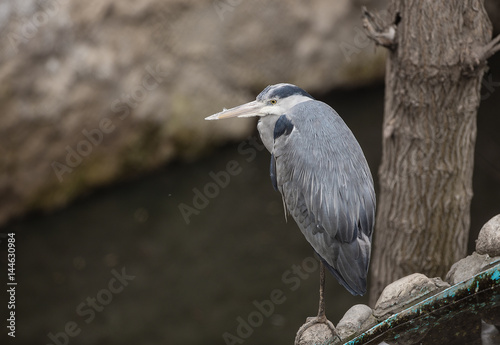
column 245, row 110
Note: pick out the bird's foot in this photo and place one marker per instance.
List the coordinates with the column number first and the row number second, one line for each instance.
column 318, row 328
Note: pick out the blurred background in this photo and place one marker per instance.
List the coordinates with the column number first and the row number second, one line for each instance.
column 123, row 235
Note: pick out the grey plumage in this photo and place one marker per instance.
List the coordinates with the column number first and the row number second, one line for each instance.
column 327, row 188
column 320, row 170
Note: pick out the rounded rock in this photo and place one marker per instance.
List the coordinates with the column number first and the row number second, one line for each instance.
column 488, row 241
column 405, row 292
column 318, row 333
column 468, row 267
column 355, row 321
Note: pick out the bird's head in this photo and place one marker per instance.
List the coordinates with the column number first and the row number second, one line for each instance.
column 273, row 100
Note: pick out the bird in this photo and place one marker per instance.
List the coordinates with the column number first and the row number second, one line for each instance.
column 324, row 179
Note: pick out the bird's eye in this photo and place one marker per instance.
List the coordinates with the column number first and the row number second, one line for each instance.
column 273, row 101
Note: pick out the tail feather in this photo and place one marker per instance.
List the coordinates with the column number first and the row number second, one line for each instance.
column 355, row 289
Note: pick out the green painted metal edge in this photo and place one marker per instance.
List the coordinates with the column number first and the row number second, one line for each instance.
column 486, row 280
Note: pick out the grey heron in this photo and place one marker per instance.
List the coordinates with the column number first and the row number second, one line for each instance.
column 321, row 172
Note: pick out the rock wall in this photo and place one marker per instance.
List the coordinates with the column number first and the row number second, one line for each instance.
column 95, row 91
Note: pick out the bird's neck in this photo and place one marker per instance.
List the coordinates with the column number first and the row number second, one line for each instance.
column 266, row 129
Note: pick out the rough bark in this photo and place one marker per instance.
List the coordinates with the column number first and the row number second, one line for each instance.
column 438, row 52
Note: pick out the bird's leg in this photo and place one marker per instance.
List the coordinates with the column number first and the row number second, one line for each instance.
column 321, row 309
column 321, row 318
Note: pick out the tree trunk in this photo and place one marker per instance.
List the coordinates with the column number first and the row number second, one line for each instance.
column 434, row 70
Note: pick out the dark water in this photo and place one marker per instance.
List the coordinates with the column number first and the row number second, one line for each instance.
column 122, row 266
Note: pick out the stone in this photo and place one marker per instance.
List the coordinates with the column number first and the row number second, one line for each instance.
column 405, row 292
column 357, row 319
column 468, row 267
column 317, row 334
column 488, row 241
